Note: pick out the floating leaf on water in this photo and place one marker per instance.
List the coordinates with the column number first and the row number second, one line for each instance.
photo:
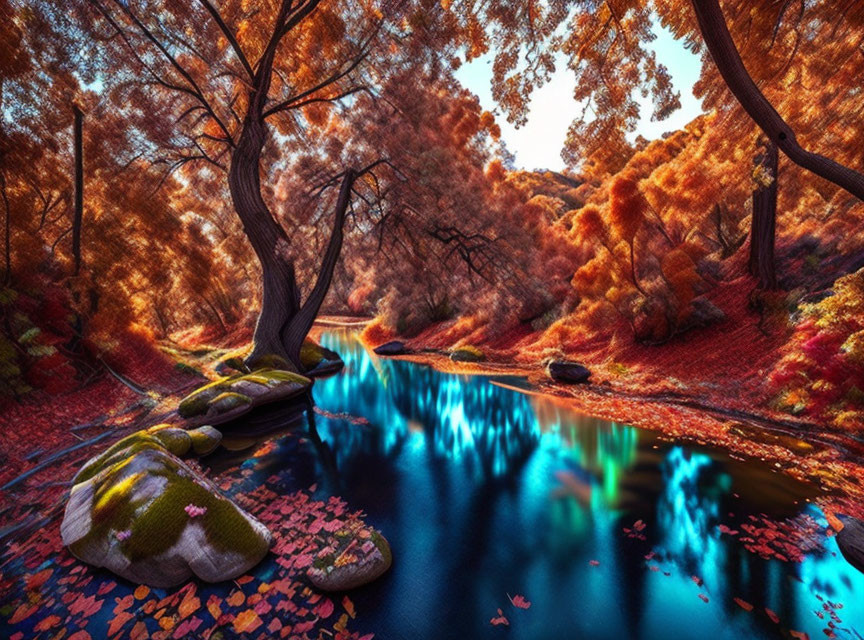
column 500, row 619
column 519, row 601
column 743, row 604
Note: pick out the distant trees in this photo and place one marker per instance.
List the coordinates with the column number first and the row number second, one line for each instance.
column 803, row 58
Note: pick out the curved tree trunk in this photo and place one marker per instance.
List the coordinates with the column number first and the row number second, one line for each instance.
column 282, row 323
column 281, row 296
column 762, row 227
column 78, row 216
column 300, row 324
column 722, row 48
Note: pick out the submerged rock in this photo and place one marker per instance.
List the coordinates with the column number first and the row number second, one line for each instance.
column 139, row 511
column 392, row 348
column 850, row 540
column 229, row 398
column 467, row 354
column 568, row 372
column 355, row 556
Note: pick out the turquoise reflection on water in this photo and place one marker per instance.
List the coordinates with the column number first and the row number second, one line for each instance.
column 485, row 491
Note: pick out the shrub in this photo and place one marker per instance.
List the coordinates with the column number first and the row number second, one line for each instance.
column 822, row 371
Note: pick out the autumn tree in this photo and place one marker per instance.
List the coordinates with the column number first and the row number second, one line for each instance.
column 766, row 63
column 215, row 97
column 626, row 212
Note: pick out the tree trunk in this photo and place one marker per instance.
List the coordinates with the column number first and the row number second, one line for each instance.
column 762, row 226
column 722, row 48
column 281, row 296
column 282, row 323
column 78, row 216
column 7, row 248
column 300, row 324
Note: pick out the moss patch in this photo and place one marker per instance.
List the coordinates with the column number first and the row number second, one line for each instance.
column 152, row 525
column 467, row 354
column 199, row 401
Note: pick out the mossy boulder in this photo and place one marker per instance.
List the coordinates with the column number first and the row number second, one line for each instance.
column 355, row 555
column 232, row 363
column 317, row 360
column 467, row 354
column 204, row 439
column 228, row 398
column 138, row 510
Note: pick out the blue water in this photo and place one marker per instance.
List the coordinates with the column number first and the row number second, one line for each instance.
column 484, row 491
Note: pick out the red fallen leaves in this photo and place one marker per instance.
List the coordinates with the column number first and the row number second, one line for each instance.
column 703, row 597
column 697, row 580
column 23, row 612
column 788, row 541
column 324, row 609
column 500, row 619
column 250, row 608
column 799, row 635
column 743, row 604
column 247, row 621
column 48, row 623
column 724, row 529
column 119, row 621
column 594, row 563
column 519, row 601
column 635, row 531
column 774, row 617
column 349, row 606
column 38, row 579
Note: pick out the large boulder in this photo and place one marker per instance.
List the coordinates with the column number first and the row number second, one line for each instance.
column 229, row 398
column 568, row 372
column 392, row 348
column 355, row 555
column 138, row 510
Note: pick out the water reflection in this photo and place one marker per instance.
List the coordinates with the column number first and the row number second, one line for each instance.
column 485, row 491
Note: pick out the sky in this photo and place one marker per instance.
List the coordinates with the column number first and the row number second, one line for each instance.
column 537, row 145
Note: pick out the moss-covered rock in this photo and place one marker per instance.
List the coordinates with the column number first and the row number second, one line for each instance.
column 141, row 512
column 467, row 354
column 204, row 440
column 318, row 360
column 354, row 556
column 270, row 361
column 229, row 398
